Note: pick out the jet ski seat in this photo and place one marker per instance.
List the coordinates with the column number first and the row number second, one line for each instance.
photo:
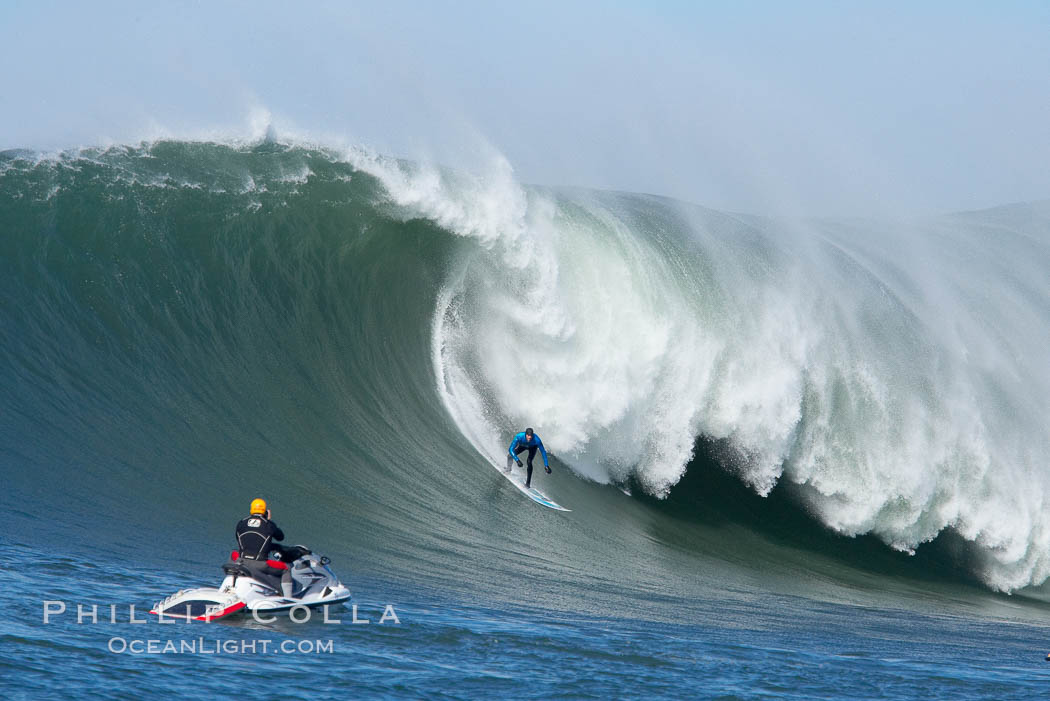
column 268, row 572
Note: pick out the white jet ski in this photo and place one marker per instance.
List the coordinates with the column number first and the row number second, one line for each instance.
column 255, row 585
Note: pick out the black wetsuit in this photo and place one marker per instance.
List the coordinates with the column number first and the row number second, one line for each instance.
column 256, row 539
column 257, row 536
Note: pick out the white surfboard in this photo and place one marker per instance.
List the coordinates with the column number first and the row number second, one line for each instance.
column 540, row 498
column 518, row 480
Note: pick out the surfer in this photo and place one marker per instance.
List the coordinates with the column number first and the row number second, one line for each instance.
column 527, row 440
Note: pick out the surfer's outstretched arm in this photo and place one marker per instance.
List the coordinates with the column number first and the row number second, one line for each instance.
column 519, row 440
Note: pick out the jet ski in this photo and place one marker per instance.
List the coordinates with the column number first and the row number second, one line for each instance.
column 255, row 585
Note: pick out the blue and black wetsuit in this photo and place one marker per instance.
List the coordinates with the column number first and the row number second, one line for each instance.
column 520, row 444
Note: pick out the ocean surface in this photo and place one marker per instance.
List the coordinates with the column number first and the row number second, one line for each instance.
column 805, row 458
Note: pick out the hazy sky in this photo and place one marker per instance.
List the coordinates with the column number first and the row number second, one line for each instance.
column 821, row 107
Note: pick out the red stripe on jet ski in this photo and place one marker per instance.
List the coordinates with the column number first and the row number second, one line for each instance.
column 225, row 612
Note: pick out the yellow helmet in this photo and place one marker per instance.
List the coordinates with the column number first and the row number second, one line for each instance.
column 258, row 506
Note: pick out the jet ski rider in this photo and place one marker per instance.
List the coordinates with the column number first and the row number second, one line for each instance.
column 256, row 536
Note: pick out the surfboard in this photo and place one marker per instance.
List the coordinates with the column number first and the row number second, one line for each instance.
column 518, row 480
column 540, row 498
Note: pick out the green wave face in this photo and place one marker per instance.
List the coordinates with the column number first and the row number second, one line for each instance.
column 186, row 326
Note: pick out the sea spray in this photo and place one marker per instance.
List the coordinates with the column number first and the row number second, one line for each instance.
column 890, row 371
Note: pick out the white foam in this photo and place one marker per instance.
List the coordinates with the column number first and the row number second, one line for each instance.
column 888, row 408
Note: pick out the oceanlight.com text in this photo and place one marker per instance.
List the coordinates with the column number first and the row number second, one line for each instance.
column 202, row 646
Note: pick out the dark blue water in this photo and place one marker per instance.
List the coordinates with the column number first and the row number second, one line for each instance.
column 778, row 647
